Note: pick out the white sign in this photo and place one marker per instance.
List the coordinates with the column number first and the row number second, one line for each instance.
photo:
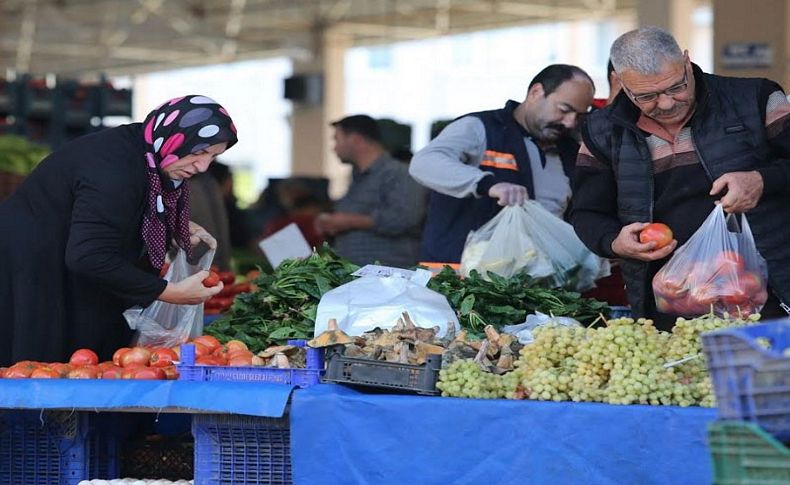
column 287, row 243
column 419, row 276
column 746, row 55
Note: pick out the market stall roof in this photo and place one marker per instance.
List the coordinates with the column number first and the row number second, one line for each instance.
column 84, row 37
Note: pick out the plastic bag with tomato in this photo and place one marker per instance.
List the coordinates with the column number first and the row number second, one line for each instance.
column 163, row 324
column 719, row 269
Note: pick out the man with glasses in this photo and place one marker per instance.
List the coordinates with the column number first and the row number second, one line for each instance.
column 484, row 161
column 673, row 143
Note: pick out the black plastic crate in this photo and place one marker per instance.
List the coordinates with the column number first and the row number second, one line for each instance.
column 159, row 457
column 241, row 450
column 420, row 379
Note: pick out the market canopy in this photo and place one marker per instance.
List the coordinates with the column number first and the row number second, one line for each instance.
column 79, row 37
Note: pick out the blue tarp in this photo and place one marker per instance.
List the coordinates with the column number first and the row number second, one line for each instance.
column 256, row 399
column 341, row 436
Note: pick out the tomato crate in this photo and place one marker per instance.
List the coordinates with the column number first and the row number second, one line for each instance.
column 241, row 450
column 188, row 370
column 750, row 370
column 53, row 447
column 744, row 453
column 420, row 379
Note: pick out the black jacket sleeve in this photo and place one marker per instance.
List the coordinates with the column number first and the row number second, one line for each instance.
column 594, row 207
column 104, row 219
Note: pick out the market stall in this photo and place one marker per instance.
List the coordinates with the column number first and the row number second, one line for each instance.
column 392, row 439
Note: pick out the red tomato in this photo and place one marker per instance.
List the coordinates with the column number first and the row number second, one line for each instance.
column 233, row 345
column 240, row 359
column 136, row 356
column 116, row 357
column 227, row 277
column 729, row 261
column 62, row 369
column 18, row 372
column 84, row 357
column 149, row 373
column 83, row 372
column 660, row 233
column 171, row 373
column 45, row 373
column 162, row 357
column 750, row 283
column 113, row 372
column 211, row 280
column 211, row 342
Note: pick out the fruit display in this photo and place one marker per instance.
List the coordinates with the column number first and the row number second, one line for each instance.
column 138, row 363
column 623, row 362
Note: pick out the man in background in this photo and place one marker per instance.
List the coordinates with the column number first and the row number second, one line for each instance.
column 380, row 217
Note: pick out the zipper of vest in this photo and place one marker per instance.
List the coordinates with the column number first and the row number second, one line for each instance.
column 699, row 155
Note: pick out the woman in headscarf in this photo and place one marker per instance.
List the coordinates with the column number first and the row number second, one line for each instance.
column 85, row 235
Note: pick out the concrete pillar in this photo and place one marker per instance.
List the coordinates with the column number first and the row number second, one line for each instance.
column 752, row 42
column 311, row 144
column 675, row 16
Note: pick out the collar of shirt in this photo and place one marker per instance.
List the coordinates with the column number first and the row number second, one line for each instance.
column 373, row 168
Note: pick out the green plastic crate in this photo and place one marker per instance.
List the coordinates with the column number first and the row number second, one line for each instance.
column 743, row 453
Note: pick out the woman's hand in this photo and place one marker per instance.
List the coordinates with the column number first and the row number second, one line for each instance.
column 190, row 291
column 197, row 234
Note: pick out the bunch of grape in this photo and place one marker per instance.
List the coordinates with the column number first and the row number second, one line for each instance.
column 465, row 378
column 547, row 364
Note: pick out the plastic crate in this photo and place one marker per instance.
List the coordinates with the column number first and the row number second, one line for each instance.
column 311, row 375
column 752, row 383
column 383, row 375
column 241, row 450
column 159, row 457
column 53, row 447
column 742, row 453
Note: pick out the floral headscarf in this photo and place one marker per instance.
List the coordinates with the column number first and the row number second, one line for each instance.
column 175, row 129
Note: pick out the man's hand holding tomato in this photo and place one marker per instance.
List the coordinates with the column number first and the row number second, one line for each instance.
column 744, row 190
column 628, row 245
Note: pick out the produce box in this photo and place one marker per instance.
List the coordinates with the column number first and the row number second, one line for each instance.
column 383, row 375
column 751, row 374
column 743, row 453
column 241, row 450
column 53, row 447
column 310, row 375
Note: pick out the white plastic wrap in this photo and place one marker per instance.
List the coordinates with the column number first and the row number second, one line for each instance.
column 372, row 301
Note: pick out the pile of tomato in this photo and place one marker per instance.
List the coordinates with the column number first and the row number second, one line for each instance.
column 223, row 300
column 723, row 284
column 133, row 362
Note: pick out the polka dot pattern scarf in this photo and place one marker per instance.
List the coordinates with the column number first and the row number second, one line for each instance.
column 175, row 129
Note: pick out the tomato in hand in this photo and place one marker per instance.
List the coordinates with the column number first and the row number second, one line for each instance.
column 211, row 280
column 660, row 233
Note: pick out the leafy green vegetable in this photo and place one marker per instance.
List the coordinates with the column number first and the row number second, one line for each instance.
column 284, row 305
column 506, row 301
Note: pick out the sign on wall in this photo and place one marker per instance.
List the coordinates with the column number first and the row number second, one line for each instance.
column 747, row 55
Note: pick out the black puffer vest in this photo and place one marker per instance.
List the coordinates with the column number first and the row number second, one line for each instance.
column 728, row 132
column 450, row 219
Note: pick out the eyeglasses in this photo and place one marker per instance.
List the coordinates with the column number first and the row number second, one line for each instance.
column 670, row 91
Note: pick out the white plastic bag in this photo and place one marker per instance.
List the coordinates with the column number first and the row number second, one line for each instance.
column 531, row 238
column 503, row 246
column 163, row 324
column 718, row 268
column 523, row 331
column 373, row 301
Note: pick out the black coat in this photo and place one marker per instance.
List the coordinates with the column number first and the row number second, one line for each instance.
column 71, row 255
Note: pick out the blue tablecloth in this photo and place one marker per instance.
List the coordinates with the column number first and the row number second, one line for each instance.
column 341, row 436
column 256, row 399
